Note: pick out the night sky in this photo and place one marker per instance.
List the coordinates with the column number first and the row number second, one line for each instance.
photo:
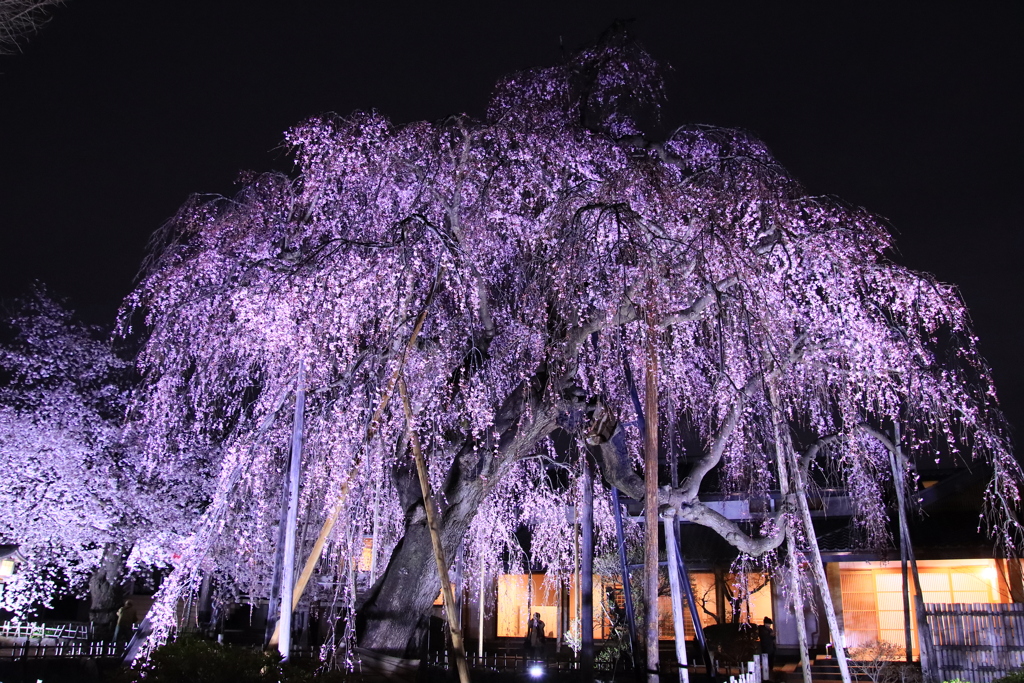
column 120, row 109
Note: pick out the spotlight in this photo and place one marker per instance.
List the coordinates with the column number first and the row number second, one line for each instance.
column 536, row 671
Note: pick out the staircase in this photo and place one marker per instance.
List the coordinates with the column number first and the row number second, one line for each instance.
column 824, row 669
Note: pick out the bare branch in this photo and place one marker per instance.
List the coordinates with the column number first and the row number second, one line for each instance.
column 20, row 19
column 698, row 513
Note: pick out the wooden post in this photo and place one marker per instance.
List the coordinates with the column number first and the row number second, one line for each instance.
column 433, row 525
column 284, row 644
column 374, row 541
column 651, row 506
column 784, row 446
column 675, row 581
column 587, row 573
column 371, row 430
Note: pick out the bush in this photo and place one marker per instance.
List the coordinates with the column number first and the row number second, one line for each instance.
column 1012, row 677
column 733, row 643
column 191, row 660
column 884, row 662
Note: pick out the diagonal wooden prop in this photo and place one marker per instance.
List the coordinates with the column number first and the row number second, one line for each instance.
column 371, row 430
column 434, row 526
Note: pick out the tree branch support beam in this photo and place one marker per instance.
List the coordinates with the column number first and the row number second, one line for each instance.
column 433, row 524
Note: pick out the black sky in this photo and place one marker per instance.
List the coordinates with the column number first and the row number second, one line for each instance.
column 120, row 109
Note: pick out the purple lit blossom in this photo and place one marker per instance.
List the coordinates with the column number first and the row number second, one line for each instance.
column 554, row 231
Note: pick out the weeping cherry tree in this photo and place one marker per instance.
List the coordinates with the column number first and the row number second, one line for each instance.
column 511, row 271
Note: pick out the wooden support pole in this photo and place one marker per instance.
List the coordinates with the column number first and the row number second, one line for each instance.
column 371, row 430
column 793, row 581
column 787, row 460
column 273, row 608
column 576, row 618
column 434, row 526
column 908, row 635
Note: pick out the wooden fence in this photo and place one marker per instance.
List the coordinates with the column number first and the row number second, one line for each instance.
column 976, row 642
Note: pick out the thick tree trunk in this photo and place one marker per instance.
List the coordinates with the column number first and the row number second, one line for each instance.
column 440, row 557
column 393, row 617
column 105, row 596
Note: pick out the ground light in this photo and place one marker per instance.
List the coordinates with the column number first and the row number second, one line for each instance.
column 536, row 671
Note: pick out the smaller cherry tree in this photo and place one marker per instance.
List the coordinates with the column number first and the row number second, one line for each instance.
column 71, row 490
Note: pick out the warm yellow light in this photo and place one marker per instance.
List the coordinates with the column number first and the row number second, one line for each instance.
column 990, row 574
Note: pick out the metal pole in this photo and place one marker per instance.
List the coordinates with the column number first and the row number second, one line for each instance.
column 651, row 507
column 924, row 633
column 694, row 613
column 675, row 581
column 284, row 643
column 587, row 571
column 480, row 607
column 273, row 616
column 627, row 589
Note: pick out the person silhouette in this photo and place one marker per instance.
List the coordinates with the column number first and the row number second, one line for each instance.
column 535, row 636
column 766, row 634
column 127, row 616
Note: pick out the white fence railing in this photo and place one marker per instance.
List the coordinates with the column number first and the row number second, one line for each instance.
column 23, row 630
column 754, row 671
column 94, row 649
